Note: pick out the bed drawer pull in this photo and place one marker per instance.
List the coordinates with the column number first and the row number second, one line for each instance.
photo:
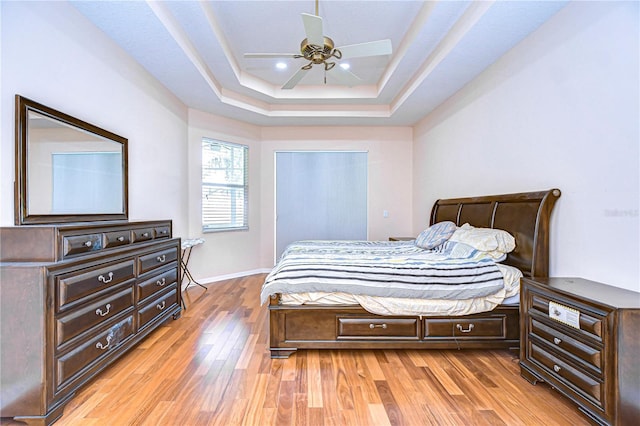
column 383, row 326
column 462, row 330
column 99, row 311
column 88, row 244
column 556, row 368
column 104, row 280
column 121, row 239
column 557, row 341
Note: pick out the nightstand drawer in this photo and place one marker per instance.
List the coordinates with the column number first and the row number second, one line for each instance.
column 590, row 324
column 591, row 357
column 476, row 328
column 586, row 386
column 377, row 328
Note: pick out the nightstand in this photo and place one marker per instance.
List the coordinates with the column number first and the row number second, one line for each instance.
column 583, row 339
column 401, row 238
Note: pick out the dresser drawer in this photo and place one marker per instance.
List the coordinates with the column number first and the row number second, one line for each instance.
column 157, row 283
column 156, row 259
column 476, row 328
column 142, row 234
column 589, row 388
column 377, row 328
column 162, row 232
column 81, row 244
column 590, row 323
column 81, row 320
column 117, row 238
column 73, row 287
column 74, row 362
column 591, row 357
column 157, row 307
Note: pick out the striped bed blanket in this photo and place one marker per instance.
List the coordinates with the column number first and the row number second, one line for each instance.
column 452, row 271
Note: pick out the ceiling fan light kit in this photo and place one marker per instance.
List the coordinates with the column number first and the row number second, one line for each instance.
column 319, row 49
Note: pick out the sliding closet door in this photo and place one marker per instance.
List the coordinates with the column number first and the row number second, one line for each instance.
column 320, row 196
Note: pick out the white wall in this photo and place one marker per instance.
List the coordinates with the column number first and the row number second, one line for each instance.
column 53, row 55
column 389, row 174
column 223, row 254
column 561, row 109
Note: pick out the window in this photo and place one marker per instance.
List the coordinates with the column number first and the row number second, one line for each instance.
column 225, row 187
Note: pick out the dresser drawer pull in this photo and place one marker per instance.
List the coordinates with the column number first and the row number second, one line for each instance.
column 164, row 232
column 557, row 341
column 145, row 234
column 161, row 282
column 383, row 326
column 161, row 259
column 556, row 368
column 88, row 244
column 121, row 239
column 161, row 306
column 99, row 345
column 99, row 311
column 462, row 330
column 104, row 280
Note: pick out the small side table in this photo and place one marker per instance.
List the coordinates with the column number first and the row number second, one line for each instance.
column 187, row 245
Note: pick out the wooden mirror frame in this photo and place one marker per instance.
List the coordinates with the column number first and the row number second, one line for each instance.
column 21, row 200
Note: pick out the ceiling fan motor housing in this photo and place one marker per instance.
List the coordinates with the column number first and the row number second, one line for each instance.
column 318, row 54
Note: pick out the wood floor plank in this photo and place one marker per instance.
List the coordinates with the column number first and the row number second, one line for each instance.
column 212, row 366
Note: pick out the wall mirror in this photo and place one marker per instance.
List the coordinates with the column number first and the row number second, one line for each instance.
column 67, row 170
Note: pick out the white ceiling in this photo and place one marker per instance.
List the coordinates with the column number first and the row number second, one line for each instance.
column 195, row 48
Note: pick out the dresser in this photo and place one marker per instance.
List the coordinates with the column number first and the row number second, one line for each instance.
column 73, row 299
column 583, row 339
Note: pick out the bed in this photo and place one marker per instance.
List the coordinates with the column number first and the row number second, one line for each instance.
column 526, row 216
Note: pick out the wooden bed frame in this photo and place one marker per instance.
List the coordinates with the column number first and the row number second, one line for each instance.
column 526, row 216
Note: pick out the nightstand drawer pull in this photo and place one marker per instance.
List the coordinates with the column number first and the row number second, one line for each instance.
column 99, row 311
column 161, row 259
column 160, row 306
column 383, row 326
column 104, row 280
column 557, row 341
column 161, row 282
column 556, row 368
column 462, row 330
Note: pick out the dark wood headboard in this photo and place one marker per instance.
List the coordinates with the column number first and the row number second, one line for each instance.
column 524, row 215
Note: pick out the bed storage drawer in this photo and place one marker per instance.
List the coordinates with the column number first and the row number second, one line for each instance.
column 377, row 328
column 490, row 327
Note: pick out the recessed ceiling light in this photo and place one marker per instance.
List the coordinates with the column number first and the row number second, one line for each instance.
column 345, row 66
column 281, row 66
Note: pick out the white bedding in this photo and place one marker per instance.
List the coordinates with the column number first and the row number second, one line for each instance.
column 418, row 307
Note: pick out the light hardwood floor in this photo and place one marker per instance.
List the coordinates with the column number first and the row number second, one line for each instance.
column 212, row 367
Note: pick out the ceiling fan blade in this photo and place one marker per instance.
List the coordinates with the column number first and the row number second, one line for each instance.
column 372, row 48
column 269, row 55
column 313, row 29
column 345, row 77
column 295, row 79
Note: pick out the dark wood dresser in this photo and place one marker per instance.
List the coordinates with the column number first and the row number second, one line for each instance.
column 73, row 299
column 583, row 338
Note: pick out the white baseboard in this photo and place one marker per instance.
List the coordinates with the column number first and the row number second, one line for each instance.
column 232, row 276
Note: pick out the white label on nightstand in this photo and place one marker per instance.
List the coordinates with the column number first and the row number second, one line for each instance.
column 564, row 314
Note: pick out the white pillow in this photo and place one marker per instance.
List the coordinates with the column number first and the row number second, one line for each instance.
column 485, row 239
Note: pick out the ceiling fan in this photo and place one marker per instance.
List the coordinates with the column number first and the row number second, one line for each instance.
column 319, row 49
